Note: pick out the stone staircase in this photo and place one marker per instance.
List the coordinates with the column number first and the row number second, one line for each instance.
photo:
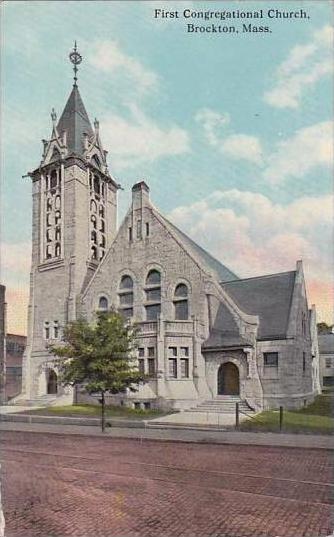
column 218, row 413
column 223, row 404
column 43, row 401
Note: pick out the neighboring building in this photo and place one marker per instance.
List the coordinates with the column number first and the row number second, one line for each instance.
column 15, row 346
column 204, row 332
column 315, row 350
column 2, row 342
column 326, row 350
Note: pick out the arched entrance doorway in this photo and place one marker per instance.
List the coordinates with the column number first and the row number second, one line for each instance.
column 52, row 384
column 228, row 379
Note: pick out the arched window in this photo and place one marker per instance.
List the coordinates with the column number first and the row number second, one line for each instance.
column 103, row 303
column 48, row 220
column 126, row 282
column 57, row 249
column 96, row 161
column 153, row 295
column 153, row 277
column 46, row 330
column 93, row 206
column 180, row 302
column 94, row 252
column 56, row 329
column 52, row 384
column 93, row 237
column 93, row 220
column 48, row 235
column 96, row 185
column 53, row 179
column 55, row 154
column 125, row 295
column 57, row 217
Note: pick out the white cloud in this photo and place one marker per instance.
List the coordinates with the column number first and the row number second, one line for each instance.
column 109, row 58
column 253, row 236
column 212, row 122
column 307, row 149
column 242, row 146
column 304, row 67
column 140, row 140
column 236, row 146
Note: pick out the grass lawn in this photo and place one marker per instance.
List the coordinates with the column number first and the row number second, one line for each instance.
column 315, row 418
column 95, row 411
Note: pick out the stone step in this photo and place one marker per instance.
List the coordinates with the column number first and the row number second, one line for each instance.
column 219, row 408
column 222, row 405
column 226, row 398
column 44, row 400
column 220, row 411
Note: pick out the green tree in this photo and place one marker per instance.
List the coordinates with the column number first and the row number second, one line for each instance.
column 99, row 356
column 324, row 328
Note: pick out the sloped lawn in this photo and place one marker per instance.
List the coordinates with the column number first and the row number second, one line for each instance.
column 95, row 411
column 316, row 418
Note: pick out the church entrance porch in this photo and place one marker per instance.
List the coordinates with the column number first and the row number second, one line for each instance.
column 228, row 381
column 52, row 382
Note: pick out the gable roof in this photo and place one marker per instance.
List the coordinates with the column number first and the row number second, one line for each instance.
column 269, row 297
column 224, row 331
column 326, row 343
column 75, row 121
column 223, row 273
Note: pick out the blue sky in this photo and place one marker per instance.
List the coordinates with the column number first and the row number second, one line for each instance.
column 231, row 132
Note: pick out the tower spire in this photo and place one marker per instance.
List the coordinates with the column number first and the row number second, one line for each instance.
column 76, row 59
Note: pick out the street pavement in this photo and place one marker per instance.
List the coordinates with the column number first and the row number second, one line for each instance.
column 59, row 485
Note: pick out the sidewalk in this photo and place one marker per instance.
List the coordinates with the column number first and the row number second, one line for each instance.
column 181, row 435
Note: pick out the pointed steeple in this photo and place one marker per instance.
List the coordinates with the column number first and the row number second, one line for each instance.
column 75, row 121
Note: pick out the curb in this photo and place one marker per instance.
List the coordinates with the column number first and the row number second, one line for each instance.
column 59, row 420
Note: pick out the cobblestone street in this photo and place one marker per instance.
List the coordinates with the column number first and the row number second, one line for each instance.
column 57, row 485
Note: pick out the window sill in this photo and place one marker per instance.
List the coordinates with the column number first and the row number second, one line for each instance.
column 50, row 264
column 179, row 379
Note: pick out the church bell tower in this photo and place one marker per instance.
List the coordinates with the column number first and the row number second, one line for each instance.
column 73, row 224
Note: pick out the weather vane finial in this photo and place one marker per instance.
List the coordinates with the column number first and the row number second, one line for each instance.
column 76, row 59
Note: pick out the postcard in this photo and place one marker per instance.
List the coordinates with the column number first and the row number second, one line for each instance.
column 166, row 326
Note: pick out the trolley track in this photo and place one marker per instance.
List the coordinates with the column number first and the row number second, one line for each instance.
column 287, row 489
column 94, row 487
column 166, row 467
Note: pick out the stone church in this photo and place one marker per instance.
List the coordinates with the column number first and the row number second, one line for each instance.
column 204, row 332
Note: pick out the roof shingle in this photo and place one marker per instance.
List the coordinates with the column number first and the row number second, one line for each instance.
column 75, row 121
column 269, row 297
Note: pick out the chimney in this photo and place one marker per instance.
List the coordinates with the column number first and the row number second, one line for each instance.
column 140, row 196
column 140, row 201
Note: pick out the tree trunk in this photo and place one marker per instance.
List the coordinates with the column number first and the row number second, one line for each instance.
column 103, row 426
